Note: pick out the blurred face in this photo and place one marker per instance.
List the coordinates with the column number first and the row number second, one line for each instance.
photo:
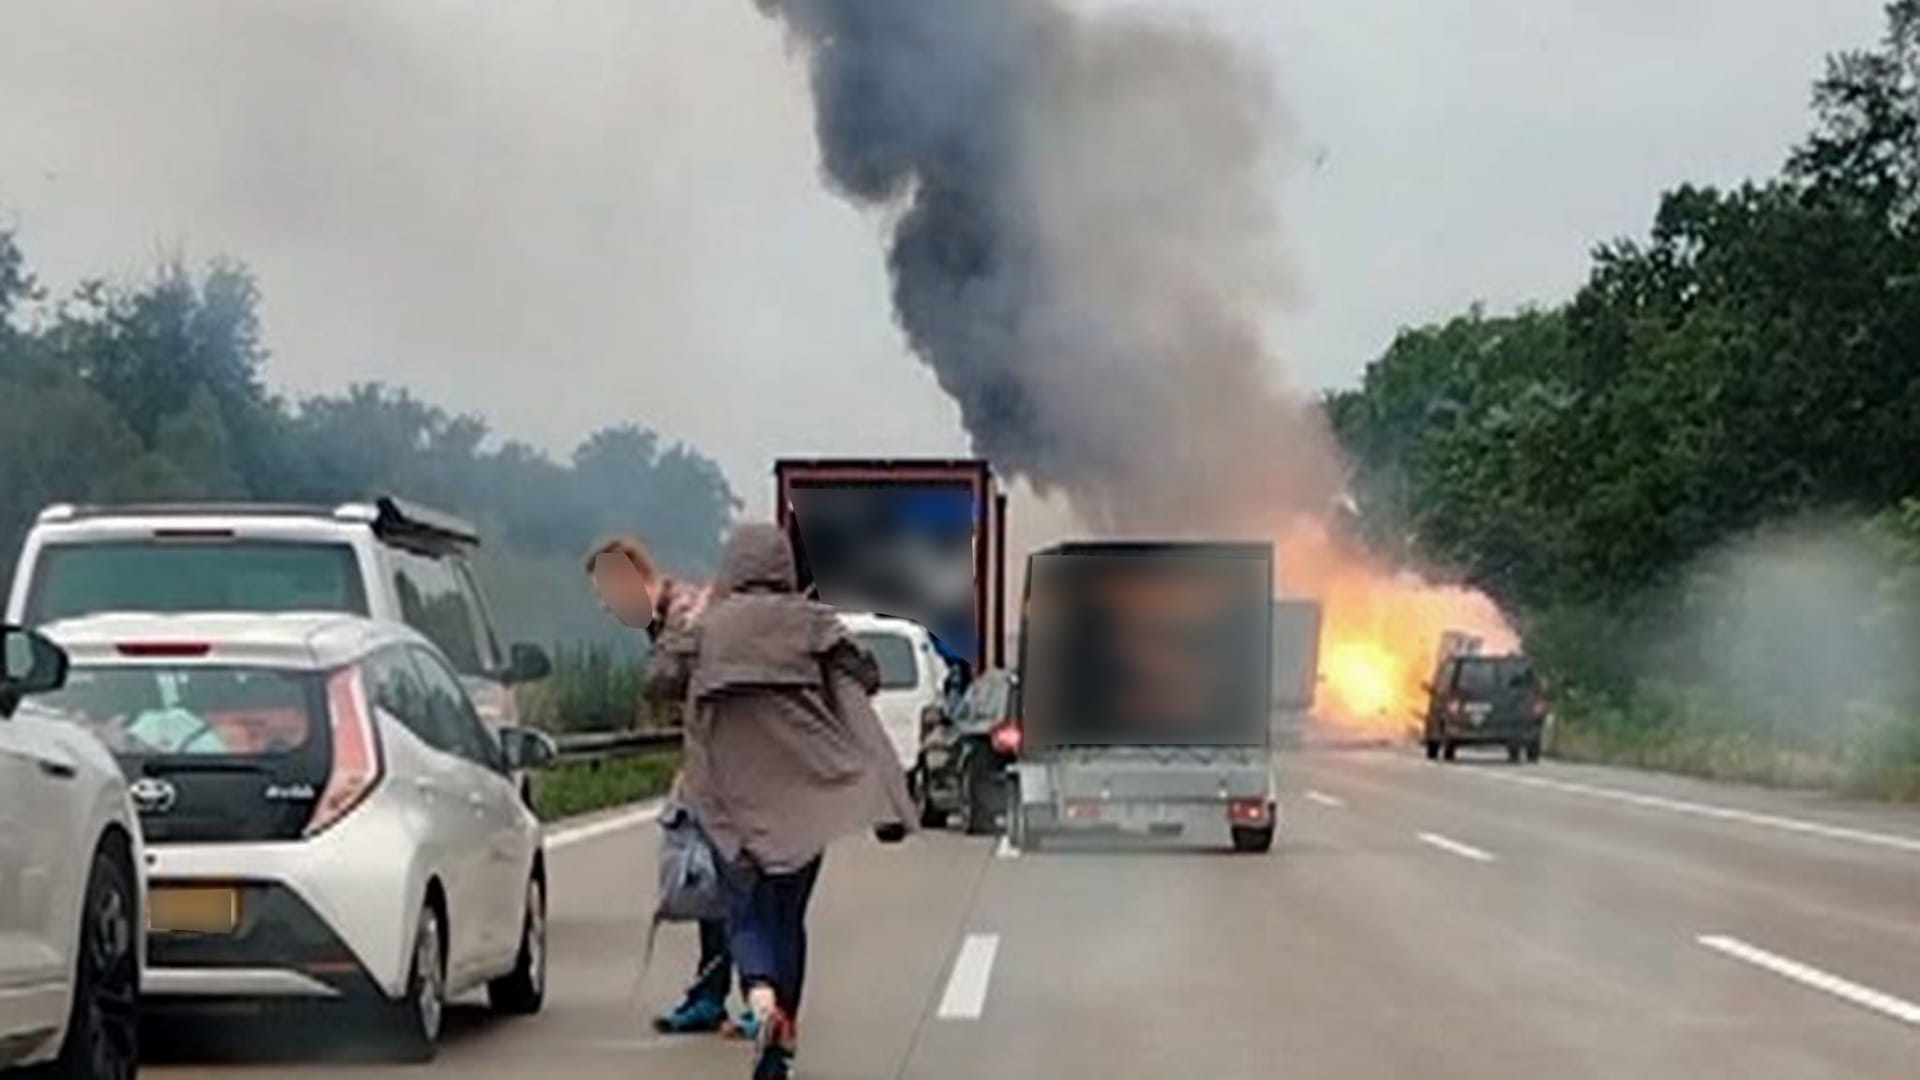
column 624, row 590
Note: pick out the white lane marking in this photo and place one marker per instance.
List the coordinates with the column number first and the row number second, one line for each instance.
column 1723, row 813
column 1465, row 851
column 966, row 996
column 593, row 830
column 1324, row 799
column 1863, row 996
column 1005, row 849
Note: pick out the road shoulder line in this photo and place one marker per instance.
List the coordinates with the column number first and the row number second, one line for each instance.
column 569, row 834
column 1896, row 842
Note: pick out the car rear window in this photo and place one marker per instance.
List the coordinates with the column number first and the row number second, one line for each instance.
column 242, row 752
column 1480, row 678
column 71, row 580
column 894, row 652
column 193, row 711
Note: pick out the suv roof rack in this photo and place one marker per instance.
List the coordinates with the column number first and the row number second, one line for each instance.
column 391, row 518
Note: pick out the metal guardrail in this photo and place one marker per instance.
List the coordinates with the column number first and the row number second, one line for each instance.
column 599, row 746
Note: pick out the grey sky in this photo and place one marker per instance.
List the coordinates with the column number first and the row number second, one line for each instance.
column 566, row 214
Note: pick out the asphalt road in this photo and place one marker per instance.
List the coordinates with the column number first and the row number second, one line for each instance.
column 1479, row 920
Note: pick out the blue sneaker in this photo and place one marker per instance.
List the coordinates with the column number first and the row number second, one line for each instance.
column 694, row 1016
column 745, row 1026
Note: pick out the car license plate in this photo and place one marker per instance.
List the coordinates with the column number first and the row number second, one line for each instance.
column 193, row 909
column 1478, row 714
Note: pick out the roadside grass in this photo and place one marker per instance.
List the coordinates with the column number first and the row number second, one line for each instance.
column 582, row 787
column 593, row 687
column 1858, row 752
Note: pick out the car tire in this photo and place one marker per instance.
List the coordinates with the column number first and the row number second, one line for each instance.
column 103, row 1028
column 1533, row 752
column 523, row 991
column 1252, row 839
column 1516, row 753
column 412, row 1023
column 979, row 793
column 1433, row 750
column 1449, row 751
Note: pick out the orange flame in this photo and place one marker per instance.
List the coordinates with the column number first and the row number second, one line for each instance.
column 1381, row 631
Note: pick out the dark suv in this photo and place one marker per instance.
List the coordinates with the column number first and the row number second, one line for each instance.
column 964, row 757
column 1486, row 701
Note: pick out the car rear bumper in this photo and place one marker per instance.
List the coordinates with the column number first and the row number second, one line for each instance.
column 281, row 948
column 338, row 908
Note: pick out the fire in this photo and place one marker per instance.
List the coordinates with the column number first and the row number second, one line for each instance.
column 1381, row 630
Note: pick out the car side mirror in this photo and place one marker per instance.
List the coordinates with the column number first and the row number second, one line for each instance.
column 527, row 663
column 525, row 748
column 29, row 664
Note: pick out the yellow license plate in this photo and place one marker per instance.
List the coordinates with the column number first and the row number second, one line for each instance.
column 180, row 909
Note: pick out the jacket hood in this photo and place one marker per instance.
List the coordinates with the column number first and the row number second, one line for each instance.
column 757, row 557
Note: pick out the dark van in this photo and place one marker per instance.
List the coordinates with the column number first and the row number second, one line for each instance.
column 1486, row 701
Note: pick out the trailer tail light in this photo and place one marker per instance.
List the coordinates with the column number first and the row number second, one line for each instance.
column 1083, row 810
column 356, row 751
column 1006, row 739
column 1248, row 811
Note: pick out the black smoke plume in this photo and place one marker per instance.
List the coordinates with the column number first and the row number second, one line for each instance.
column 1084, row 246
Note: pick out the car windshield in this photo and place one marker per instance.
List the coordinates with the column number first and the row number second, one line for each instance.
column 72, row 580
column 192, row 711
column 894, row 653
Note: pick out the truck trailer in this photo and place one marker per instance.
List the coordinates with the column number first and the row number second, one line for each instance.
column 913, row 538
column 1146, row 694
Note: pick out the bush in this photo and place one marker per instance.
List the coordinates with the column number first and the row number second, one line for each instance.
column 593, row 687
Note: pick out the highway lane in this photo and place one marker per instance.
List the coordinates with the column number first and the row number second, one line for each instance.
column 1548, row 922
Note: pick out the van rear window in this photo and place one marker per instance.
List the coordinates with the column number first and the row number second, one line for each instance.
column 72, row 580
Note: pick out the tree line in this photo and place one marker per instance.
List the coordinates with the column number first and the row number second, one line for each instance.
column 156, row 390
column 1750, row 366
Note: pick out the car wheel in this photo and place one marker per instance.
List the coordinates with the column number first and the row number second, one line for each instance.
column 1433, row 750
column 103, row 1028
column 1515, row 752
column 523, row 991
column 412, row 1022
column 981, row 798
column 1449, row 751
column 1252, row 840
column 1533, row 751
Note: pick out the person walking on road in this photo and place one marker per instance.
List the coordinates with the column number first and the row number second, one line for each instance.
column 784, row 755
column 635, row 593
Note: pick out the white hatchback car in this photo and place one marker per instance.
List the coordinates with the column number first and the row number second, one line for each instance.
column 70, row 893
column 326, row 816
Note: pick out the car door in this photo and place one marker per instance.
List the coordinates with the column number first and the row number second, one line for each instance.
column 438, row 782
column 40, row 816
column 501, row 849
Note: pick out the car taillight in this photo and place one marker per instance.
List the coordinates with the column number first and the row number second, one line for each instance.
column 1247, row 811
column 356, row 751
column 1006, row 739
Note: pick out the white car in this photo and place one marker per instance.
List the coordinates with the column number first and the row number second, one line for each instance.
column 70, row 891
column 912, row 677
column 326, row 816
